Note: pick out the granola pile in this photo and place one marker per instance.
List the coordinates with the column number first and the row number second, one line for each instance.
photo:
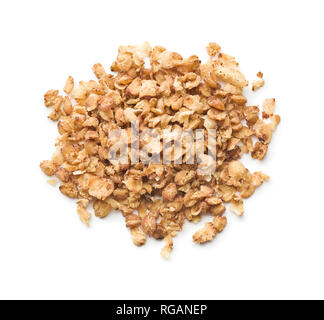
column 173, row 93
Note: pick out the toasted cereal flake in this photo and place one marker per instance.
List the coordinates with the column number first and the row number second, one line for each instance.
column 92, row 102
column 148, row 89
column 69, row 85
column 67, row 106
column 149, row 224
column 220, row 223
column 101, row 188
column 134, row 183
column 84, row 215
column 101, row 208
column 228, row 72
column 237, row 205
column 269, row 106
column 274, row 121
column 206, row 234
column 133, row 221
column 213, row 49
column 50, row 97
column 257, row 84
column 138, row 236
column 99, row 70
column 63, row 174
column 228, row 88
column 130, row 115
column 259, row 151
column 48, row 167
column 169, row 192
column 263, row 131
column 69, row 189
column 83, row 203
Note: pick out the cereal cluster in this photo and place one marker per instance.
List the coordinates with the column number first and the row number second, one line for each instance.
column 173, row 93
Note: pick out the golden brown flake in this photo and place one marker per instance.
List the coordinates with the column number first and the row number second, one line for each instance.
column 257, row 84
column 69, row 189
column 169, row 192
column 269, row 106
column 138, row 236
column 69, row 85
column 101, row 208
column 237, row 205
column 213, row 49
column 84, row 215
column 168, row 247
column 259, row 151
column 101, row 188
column 50, row 97
column 220, row 223
column 133, row 221
column 206, row 234
column 48, row 167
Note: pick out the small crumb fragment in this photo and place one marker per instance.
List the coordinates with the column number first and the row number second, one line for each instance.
column 84, row 215
column 166, row 250
column 52, row 182
column 257, row 84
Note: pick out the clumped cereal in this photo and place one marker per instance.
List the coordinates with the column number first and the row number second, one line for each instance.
column 173, row 94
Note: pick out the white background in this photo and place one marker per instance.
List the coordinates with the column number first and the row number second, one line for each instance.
column 274, row 251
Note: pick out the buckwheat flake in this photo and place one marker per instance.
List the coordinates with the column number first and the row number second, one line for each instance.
column 172, row 95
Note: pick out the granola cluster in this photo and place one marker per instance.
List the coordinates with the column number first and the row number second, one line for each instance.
column 173, row 93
